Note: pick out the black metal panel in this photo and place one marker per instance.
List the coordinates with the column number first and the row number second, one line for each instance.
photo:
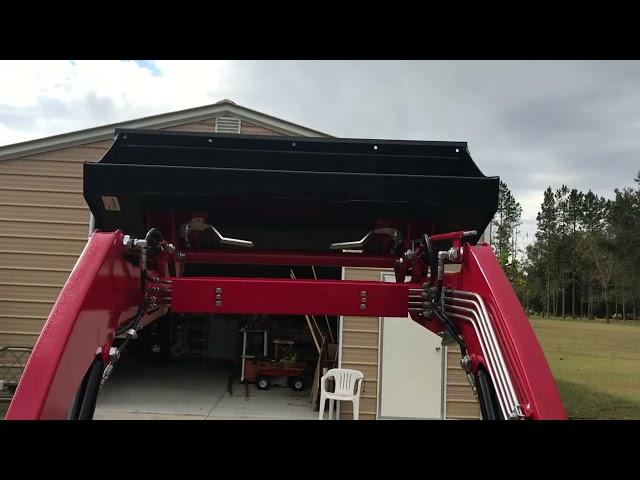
column 152, row 147
column 311, row 191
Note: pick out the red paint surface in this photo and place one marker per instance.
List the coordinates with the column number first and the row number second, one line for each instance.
column 291, row 258
column 532, row 378
column 101, row 292
column 289, row 297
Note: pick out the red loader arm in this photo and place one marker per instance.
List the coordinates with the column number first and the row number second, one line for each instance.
column 509, row 332
column 102, row 292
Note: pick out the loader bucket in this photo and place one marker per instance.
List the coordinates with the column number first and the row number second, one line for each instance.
column 289, row 193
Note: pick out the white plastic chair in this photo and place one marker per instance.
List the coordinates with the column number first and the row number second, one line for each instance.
column 348, row 386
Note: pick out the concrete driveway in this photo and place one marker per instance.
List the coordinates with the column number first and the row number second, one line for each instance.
column 138, row 390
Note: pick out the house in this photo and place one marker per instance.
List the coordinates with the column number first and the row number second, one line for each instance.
column 44, row 225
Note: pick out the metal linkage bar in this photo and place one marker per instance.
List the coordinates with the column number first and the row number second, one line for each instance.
column 452, row 235
column 356, row 244
column 289, row 297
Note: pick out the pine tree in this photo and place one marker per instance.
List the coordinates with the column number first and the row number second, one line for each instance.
column 561, row 245
column 574, row 216
column 584, row 259
column 597, row 244
column 506, row 221
column 547, row 224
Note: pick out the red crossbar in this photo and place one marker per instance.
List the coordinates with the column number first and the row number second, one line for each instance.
column 291, row 258
column 289, row 297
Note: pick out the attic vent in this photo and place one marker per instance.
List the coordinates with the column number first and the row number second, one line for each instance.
column 227, row 125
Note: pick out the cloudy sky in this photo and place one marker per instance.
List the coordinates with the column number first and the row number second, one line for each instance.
column 533, row 123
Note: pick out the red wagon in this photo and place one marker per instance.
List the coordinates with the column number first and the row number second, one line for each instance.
column 270, row 370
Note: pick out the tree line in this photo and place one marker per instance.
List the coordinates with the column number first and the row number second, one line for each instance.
column 584, row 260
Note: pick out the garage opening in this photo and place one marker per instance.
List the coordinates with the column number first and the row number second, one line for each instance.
column 217, row 366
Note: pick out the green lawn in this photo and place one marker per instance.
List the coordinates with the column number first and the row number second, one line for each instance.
column 596, row 365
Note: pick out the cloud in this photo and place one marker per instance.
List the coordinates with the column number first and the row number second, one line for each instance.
column 533, row 123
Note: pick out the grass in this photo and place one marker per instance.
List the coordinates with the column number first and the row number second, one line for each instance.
column 596, row 365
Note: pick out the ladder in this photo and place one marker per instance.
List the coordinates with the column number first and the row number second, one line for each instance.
column 197, row 336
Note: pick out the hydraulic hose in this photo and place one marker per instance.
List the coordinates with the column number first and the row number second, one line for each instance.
column 142, row 308
column 487, row 396
column 84, row 402
column 451, row 328
column 153, row 232
column 88, row 406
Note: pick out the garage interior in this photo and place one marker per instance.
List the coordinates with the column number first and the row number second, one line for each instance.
column 218, row 367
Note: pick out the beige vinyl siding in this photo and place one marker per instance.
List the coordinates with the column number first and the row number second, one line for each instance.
column 247, row 128
column 360, row 350
column 44, row 223
column 461, row 401
column 204, row 126
column 43, row 229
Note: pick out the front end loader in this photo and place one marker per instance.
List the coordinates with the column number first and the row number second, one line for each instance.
column 176, row 212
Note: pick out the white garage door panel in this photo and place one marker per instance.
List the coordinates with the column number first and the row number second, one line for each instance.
column 411, row 370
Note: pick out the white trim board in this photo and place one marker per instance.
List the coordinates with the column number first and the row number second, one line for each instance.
column 165, row 120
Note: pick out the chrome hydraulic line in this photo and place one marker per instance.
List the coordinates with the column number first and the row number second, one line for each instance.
column 502, row 379
column 483, row 310
column 422, row 301
column 468, row 307
column 488, row 358
column 492, row 347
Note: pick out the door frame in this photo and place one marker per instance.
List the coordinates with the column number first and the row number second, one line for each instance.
column 443, row 379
